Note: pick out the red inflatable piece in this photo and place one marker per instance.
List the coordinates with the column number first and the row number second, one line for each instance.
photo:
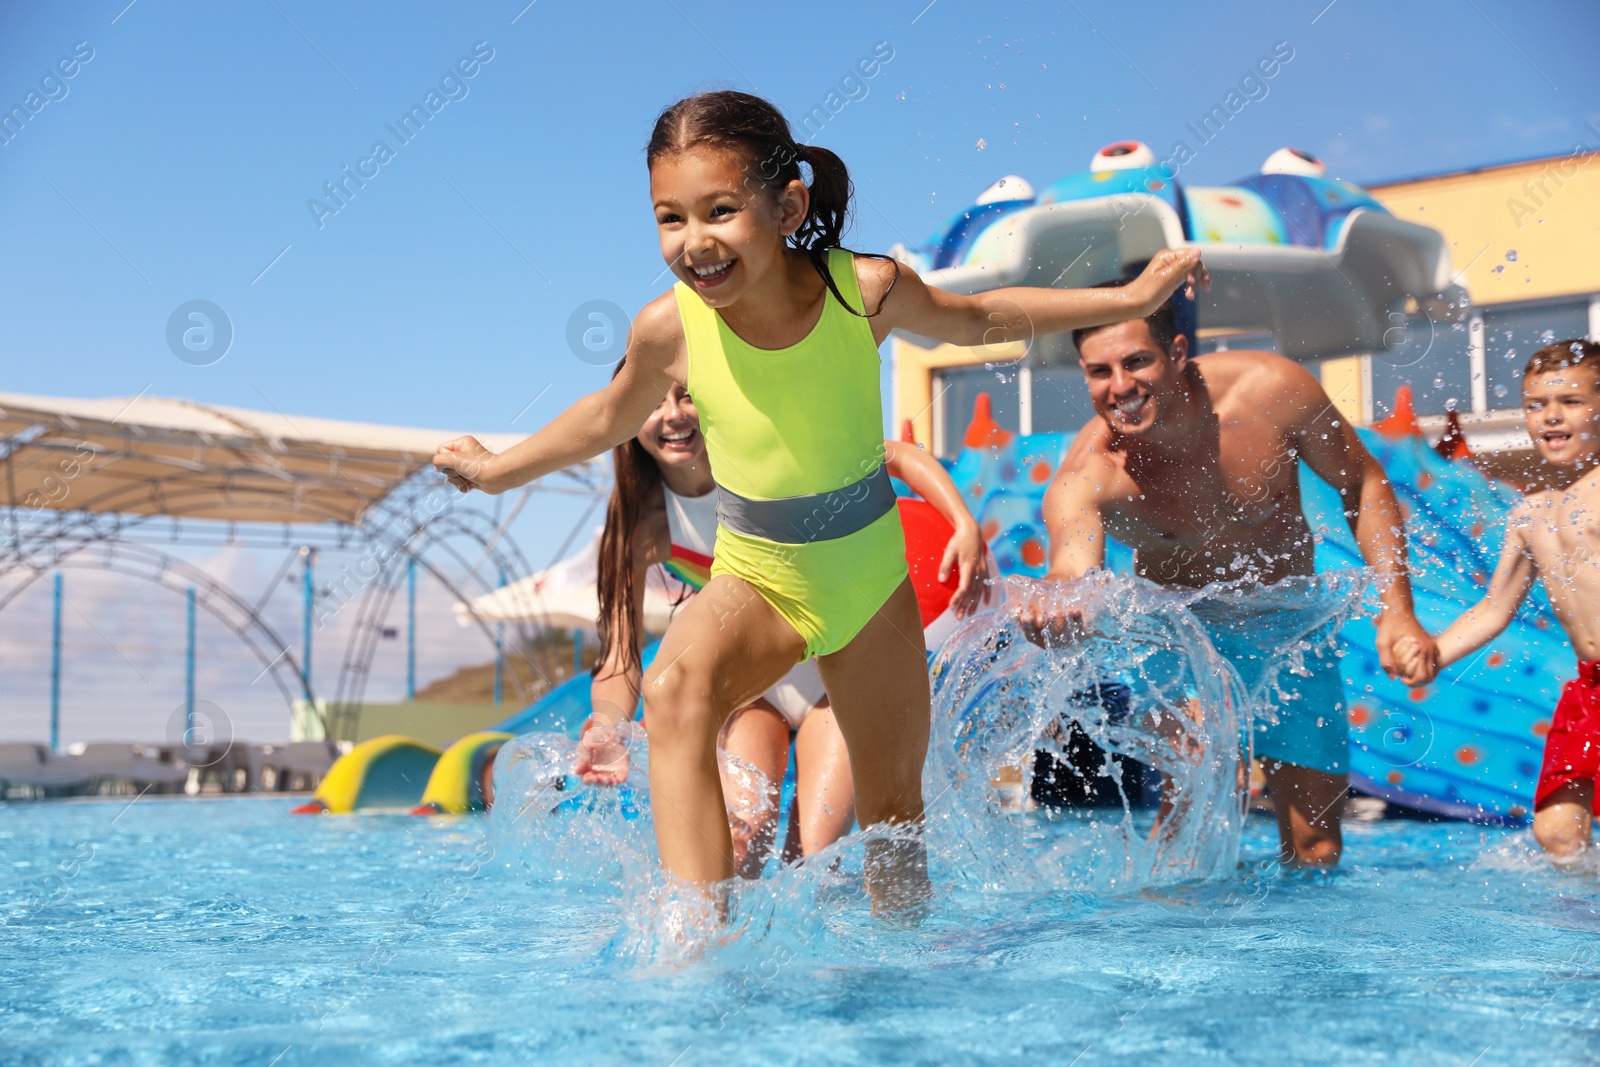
column 927, row 533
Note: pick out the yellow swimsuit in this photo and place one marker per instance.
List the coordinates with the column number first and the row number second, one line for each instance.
column 799, row 422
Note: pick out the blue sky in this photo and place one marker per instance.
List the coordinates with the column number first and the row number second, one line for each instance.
column 179, row 163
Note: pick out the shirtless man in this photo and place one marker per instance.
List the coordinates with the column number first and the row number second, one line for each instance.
column 1552, row 534
column 1192, row 463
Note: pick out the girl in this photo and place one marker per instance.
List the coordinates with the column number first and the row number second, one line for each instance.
column 774, row 328
column 663, row 510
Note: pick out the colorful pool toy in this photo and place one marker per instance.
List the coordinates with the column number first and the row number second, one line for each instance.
column 1312, row 259
column 384, row 774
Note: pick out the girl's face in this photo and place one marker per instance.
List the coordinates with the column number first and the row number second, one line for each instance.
column 672, row 432
column 721, row 232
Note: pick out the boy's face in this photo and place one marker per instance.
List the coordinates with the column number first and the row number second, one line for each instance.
column 1562, row 409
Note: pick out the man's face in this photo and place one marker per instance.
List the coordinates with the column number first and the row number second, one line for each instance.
column 1562, row 409
column 1131, row 378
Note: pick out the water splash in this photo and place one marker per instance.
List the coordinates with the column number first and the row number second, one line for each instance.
column 1145, row 681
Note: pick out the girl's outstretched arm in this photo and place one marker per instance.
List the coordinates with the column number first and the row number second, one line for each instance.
column 964, row 554
column 596, row 423
column 1021, row 313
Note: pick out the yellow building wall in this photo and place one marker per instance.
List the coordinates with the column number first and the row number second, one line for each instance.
column 1546, row 211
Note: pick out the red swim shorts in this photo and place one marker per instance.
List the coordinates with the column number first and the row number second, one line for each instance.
column 1572, row 749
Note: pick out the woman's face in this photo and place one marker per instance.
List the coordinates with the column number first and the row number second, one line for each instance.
column 672, row 432
column 720, row 230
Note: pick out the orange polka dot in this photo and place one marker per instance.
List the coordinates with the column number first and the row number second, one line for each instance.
column 1497, row 659
column 976, row 492
column 1477, row 529
column 1541, row 623
column 1541, row 728
column 991, row 530
column 1466, row 755
column 1424, row 480
column 1419, row 694
column 1032, row 552
column 1041, row 472
column 1360, row 714
column 1394, row 777
column 1230, row 201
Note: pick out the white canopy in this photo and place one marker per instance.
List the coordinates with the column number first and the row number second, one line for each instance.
column 565, row 594
column 150, row 455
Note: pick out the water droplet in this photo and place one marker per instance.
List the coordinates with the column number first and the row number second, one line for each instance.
column 1500, row 392
column 1511, row 255
column 1498, row 269
column 982, row 144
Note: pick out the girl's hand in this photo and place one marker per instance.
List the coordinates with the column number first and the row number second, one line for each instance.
column 1168, row 269
column 964, row 556
column 602, row 756
column 466, row 463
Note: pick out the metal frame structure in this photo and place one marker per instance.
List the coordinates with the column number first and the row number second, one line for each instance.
column 379, row 503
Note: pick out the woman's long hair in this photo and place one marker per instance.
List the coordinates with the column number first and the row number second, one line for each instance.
column 636, row 480
column 759, row 132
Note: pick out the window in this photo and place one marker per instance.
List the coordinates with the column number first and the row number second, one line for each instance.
column 960, row 388
column 1060, row 399
column 1434, row 359
column 1511, row 335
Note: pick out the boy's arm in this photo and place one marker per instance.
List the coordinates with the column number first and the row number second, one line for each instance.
column 1488, row 618
column 964, row 554
column 1330, row 447
column 1019, row 314
column 596, row 423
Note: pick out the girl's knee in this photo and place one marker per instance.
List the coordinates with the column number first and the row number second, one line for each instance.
column 677, row 703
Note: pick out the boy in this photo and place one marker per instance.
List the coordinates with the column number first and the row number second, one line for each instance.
column 1554, row 534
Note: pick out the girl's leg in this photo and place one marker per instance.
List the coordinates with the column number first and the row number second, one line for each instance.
column 879, row 687
column 723, row 651
column 757, row 736
column 824, row 793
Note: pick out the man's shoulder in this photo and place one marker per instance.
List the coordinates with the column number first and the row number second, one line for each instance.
column 1253, row 369
column 1091, row 453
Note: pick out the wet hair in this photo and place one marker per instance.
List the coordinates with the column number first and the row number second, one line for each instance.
column 1163, row 321
column 636, row 477
column 1563, row 355
column 752, row 127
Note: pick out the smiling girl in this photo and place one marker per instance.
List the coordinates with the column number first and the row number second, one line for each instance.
column 774, row 329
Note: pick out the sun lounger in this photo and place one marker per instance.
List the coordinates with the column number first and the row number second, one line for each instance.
column 112, row 762
column 304, row 760
column 33, row 767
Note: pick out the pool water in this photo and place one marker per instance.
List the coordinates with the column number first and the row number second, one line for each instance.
column 225, row 931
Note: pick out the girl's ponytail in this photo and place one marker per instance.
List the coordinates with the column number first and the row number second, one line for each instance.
column 757, row 130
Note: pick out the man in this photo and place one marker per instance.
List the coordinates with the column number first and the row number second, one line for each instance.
column 1193, row 464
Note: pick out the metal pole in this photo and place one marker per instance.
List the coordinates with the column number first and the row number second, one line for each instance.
column 308, row 585
column 500, row 652
column 411, row 630
column 188, row 676
column 55, row 670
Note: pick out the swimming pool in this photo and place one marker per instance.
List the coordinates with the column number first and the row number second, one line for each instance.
column 223, row 931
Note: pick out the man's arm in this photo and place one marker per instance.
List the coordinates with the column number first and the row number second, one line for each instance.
column 1330, row 447
column 596, row 423
column 1077, row 532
